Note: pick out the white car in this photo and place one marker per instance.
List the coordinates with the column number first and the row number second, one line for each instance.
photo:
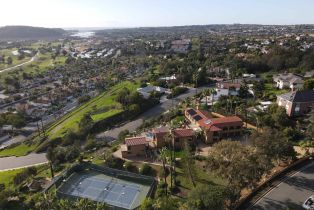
column 309, row 203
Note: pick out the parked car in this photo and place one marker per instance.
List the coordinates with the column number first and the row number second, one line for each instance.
column 309, row 203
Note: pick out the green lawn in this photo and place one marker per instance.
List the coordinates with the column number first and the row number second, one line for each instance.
column 104, row 100
column 269, row 88
column 15, row 61
column 20, row 150
column 105, row 115
column 7, row 176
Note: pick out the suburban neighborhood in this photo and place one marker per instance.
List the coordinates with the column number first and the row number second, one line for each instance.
column 174, row 116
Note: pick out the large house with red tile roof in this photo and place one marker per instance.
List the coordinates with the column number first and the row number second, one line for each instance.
column 134, row 146
column 214, row 128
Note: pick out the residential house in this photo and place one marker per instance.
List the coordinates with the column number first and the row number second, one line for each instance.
column 181, row 137
column 214, row 129
column 289, row 80
column 134, row 146
column 146, row 91
column 159, row 135
column 223, row 89
column 297, row 102
column 181, row 46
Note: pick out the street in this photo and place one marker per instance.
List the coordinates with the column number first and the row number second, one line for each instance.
column 155, row 111
column 291, row 193
column 9, row 163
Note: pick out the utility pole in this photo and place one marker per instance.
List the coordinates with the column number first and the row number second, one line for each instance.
column 42, row 126
column 38, row 129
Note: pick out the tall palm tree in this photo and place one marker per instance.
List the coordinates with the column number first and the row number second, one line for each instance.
column 213, row 92
column 163, row 157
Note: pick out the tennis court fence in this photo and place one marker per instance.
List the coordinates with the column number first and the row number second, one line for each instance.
column 124, row 175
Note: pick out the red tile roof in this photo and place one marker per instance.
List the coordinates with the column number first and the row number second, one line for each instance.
column 135, row 141
column 214, row 128
column 160, row 130
column 183, row 132
column 206, row 122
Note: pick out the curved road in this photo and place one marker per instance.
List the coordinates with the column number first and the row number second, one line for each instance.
column 291, row 193
column 21, row 64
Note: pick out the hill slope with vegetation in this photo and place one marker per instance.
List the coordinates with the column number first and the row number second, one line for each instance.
column 30, row 33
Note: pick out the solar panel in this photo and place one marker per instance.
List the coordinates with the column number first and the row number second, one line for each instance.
column 191, row 112
column 197, row 118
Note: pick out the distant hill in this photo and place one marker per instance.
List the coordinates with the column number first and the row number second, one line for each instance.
column 30, row 33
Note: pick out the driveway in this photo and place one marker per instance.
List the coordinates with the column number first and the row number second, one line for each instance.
column 291, row 193
column 10, row 163
column 155, row 111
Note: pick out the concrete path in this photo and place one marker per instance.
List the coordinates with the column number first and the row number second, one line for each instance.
column 10, row 163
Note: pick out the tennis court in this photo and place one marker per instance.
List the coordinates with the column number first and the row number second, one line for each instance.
column 102, row 188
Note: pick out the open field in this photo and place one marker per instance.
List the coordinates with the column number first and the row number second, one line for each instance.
column 101, row 102
column 15, row 60
column 17, row 151
column 7, row 176
column 269, row 88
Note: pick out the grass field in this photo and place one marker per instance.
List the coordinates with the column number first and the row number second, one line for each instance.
column 269, row 88
column 15, row 61
column 103, row 101
column 20, row 150
column 7, row 176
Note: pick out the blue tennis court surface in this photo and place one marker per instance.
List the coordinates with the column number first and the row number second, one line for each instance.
column 103, row 188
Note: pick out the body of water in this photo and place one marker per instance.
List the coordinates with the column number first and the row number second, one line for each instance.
column 85, row 34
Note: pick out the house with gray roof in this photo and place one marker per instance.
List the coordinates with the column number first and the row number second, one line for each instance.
column 297, row 102
column 289, row 80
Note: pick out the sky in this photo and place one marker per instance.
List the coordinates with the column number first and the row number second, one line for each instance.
column 135, row 13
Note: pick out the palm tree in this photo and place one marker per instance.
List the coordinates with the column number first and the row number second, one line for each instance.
column 206, row 93
column 163, row 157
column 213, row 93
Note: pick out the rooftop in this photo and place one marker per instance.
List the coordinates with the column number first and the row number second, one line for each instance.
column 135, row 141
column 299, row 96
column 208, row 122
column 182, row 132
column 288, row 77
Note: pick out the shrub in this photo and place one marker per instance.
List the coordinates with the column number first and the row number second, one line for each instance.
column 145, row 169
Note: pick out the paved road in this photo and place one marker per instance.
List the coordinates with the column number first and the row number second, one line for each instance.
column 153, row 112
column 9, row 163
column 291, row 193
column 19, row 65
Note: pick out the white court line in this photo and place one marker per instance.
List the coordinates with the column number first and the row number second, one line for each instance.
column 274, row 188
column 105, row 181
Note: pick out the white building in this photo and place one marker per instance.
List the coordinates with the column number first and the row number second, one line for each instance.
column 289, row 80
